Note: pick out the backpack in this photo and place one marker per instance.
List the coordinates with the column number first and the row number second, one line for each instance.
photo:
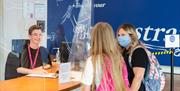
column 107, row 83
column 154, row 79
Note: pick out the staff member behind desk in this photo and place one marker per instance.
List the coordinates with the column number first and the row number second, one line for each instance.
column 34, row 58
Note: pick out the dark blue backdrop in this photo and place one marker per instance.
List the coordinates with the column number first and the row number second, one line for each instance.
column 156, row 15
column 153, row 18
column 60, row 27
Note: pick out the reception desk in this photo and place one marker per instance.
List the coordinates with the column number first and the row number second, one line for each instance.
column 36, row 84
column 26, row 83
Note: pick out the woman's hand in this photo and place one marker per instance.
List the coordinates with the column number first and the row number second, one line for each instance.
column 39, row 71
column 46, row 66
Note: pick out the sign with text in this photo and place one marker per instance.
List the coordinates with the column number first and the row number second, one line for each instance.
column 172, row 41
column 150, row 17
column 70, row 20
column 64, row 72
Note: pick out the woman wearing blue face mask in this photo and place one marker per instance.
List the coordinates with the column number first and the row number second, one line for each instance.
column 128, row 40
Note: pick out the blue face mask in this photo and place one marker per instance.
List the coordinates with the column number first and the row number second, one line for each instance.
column 125, row 40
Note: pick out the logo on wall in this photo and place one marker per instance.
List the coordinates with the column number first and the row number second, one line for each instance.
column 172, row 39
column 156, row 36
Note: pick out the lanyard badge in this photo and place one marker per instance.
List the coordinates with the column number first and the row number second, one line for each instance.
column 33, row 63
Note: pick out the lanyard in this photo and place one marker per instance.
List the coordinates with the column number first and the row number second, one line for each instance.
column 30, row 57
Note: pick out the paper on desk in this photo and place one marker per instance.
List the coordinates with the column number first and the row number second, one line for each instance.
column 75, row 75
column 49, row 75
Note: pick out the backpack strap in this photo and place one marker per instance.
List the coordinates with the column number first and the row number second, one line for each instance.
column 130, row 58
column 107, row 83
column 130, row 55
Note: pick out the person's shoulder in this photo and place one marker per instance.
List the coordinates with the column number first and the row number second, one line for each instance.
column 139, row 50
column 25, row 49
column 89, row 59
column 42, row 47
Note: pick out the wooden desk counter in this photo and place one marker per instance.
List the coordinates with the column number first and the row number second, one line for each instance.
column 36, row 84
column 26, row 83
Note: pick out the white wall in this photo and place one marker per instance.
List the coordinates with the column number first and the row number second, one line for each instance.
column 14, row 26
column 1, row 40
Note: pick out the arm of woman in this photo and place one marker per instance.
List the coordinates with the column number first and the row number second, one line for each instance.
column 139, row 64
column 138, row 77
column 31, row 71
column 87, row 76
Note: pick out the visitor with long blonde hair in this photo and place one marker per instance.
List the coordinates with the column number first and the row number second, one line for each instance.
column 105, row 69
column 128, row 41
